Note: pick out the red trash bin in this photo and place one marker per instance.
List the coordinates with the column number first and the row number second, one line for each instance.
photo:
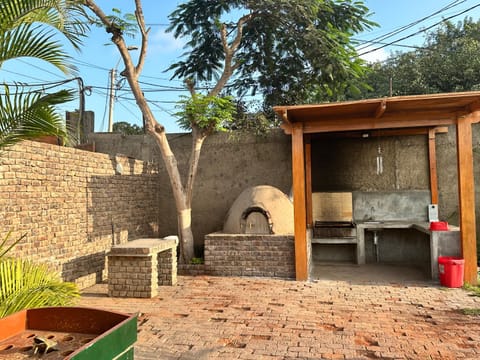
column 450, row 270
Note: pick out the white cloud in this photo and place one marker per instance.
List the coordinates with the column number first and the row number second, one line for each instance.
column 165, row 43
column 373, row 56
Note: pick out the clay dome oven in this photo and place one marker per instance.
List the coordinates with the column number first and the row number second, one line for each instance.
column 260, row 210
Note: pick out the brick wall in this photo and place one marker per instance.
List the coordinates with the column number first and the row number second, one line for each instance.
column 250, row 255
column 73, row 205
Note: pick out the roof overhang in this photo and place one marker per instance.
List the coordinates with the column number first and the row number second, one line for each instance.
column 386, row 113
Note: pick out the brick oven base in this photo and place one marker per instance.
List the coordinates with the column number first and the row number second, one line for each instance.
column 250, row 255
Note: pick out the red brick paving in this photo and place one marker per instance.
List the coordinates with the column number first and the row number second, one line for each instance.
column 250, row 318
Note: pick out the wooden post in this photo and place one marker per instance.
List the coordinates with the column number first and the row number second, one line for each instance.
column 299, row 202
column 308, row 179
column 466, row 197
column 432, row 159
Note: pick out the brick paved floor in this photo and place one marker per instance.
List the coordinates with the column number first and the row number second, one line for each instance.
column 251, row 318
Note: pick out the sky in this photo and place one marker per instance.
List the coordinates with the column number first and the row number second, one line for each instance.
column 97, row 59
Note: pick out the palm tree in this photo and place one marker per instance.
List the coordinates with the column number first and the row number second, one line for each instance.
column 28, row 29
column 26, row 285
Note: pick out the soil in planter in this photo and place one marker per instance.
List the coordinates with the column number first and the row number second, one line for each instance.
column 21, row 346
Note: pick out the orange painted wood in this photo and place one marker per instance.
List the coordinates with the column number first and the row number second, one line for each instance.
column 388, row 121
column 299, row 203
column 308, row 181
column 466, row 197
column 432, row 159
column 382, row 107
column 463, row 103
column 380, row 133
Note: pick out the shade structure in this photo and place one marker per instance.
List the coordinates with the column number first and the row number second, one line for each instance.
column 404, row 115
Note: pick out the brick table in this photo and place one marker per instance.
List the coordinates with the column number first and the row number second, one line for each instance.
column 138, row 267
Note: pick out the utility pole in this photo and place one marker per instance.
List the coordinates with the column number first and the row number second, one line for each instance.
column 112, row 90
column 113, row 79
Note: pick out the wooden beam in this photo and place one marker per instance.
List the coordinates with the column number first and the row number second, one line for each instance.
column 285, row 117
column 299, row 203
column 287, row 128
column 308, row 180
column 381, row 109
column 381, row 133
column 466, row 196
column 474, row 106
column 388, row 121
column 432, row 159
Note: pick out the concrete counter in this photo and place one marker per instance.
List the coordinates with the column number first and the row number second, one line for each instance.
column 442, row 243
column 138, row 267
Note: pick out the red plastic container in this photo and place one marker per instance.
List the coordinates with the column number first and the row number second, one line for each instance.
column 439, row 226
column 450, row 270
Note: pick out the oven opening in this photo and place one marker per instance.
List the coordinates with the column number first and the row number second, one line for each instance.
column 256, row 220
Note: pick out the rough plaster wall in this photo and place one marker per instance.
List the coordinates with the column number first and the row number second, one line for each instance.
column 72, row 206
column 447, row 176
column 228, row 165
column 351, row 165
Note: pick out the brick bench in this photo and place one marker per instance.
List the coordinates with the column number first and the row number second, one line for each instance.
column 137, row 268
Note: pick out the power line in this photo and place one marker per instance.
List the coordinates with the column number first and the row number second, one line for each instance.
column 412, row 24
column 18, row 74
column 384, row 43
column 420, row 31
column 38, row 67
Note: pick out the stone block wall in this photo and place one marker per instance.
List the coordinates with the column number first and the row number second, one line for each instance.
column 167, row 267
column 132, row 276
column 73, row 205
column 250, row 255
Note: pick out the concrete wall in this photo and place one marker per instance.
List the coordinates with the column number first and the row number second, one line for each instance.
column 228, row 166
column 350, row 165
column 73, row 205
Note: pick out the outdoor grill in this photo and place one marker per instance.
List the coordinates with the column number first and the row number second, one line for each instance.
column 343, row 231
column 332, row 215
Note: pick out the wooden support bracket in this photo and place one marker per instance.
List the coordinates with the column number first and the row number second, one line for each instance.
column 382, row 107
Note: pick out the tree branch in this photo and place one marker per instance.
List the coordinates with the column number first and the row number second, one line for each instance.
column 117, row 37
column 144, row 31
column 228, row 68
column 197, row 140
column 190, row 86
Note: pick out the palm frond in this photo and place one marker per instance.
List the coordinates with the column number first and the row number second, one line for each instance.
column 66, row 16
column 24, row 285
column 33, row 41
column 30, row 115
column 5, row 247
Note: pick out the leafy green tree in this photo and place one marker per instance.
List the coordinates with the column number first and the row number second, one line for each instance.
column 126, row 128
column 289, row 51
column 448, row 62
column 276, row 47
column 28, row 29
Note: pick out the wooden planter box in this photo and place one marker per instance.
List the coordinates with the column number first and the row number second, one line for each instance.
column 80, row 334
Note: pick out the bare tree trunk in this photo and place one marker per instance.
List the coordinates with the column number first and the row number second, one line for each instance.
column 182, row 195
column 185, row 232
column 182, row 203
